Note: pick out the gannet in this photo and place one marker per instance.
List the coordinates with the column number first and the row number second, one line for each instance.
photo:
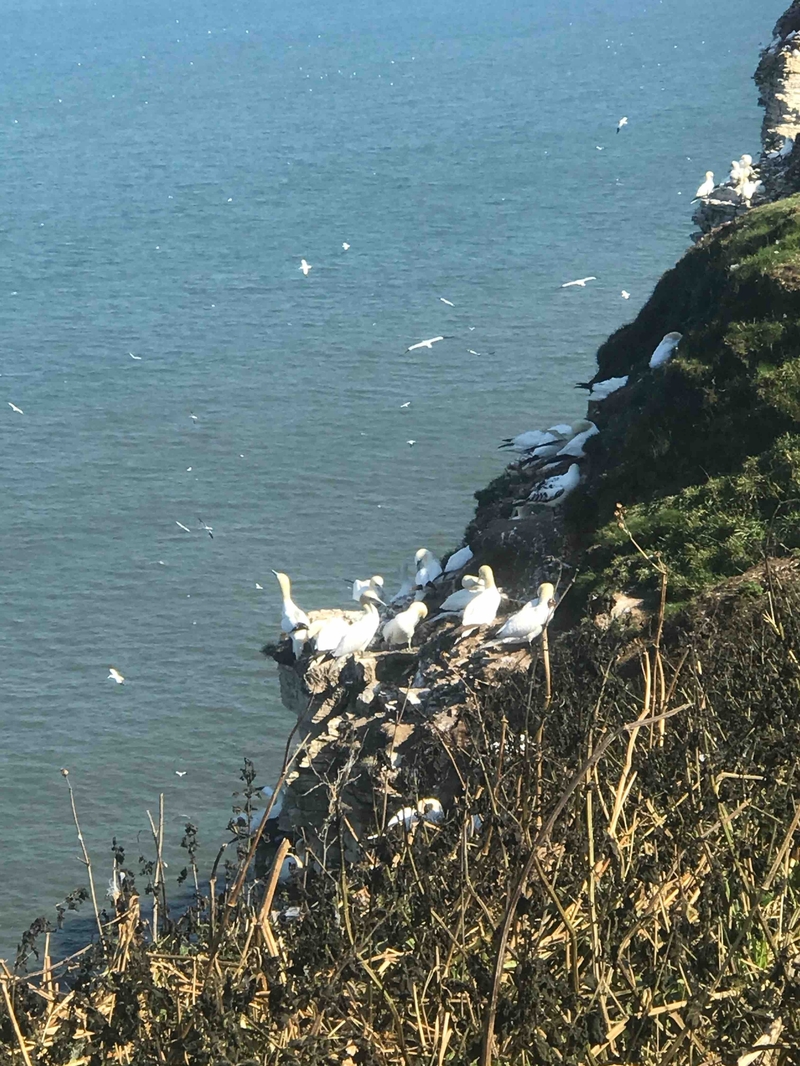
column 183, row 527
column 256, row 815
column 345, row 245
column 549, row 451
column 400, row 629
column 481, row 610
column 208, row 529
column 115, row 675
column 574, row 448
column 375, row 583
column 625, row 295
column 138, row 358
column 788, row 147
column 527, row 624
column 292, row 615
column 328, row 633
column 289, row 867
column 427, row 810
column 553, row 490
column 305, row 267
column 428, row 567
column 360, row 634
column 706, row 188
column 601, row 389
column 533, row 438
column 458, row 560
column 622, row 122
column 448, row 302
column 580, row 281
column 180, row 773
column 425, row 344
column 663, row 352
column 457, row 601
column 14, row 407
column 750, row 188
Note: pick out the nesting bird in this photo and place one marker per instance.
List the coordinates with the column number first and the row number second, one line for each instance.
column 482, row 608
column 359, row 635
column 554, row 490
column 292, row 616
column 458, row 560
column 534, row 438
column 665, row 350
column 457, row 601
column 706, row 188
column 428, row 567
column 427, row 810
column 529, row 622
column 574, row 448
column 375, row 583
column 400, row 629
column 600, row 390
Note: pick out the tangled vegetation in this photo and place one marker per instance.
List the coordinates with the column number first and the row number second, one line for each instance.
column 618, row 882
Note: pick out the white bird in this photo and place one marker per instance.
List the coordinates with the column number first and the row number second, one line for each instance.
column 411, row 442
column 289, row 867
column 193, row 417
column 622, row 122
column 400, row 629
column 788, row 147
column 750, row 188
column 180, row 773
column 208, row 529
column 425, row 344
column 550, row 451
column 406, row 816
column 602, row 389
column 579, row 281
column 625, row 295
column 448, row 302
column 115, row 675
column 345, row 245
column 183, row 527
column 259, row 586
column 706, row 188
column 326, row 633
column 136, row 357
column 457, row 601
column 574, row 448
column 360, row 634
column 534, row 438
column 666, row 347
column 428, row 567
column 407, row 404
column 553, row 490
column 458, row 560
column 481, row 610
column 14, row 407
column 360, row 586
column 427, row 810
column 292, row 616
column 305, row 267
column 527, row 624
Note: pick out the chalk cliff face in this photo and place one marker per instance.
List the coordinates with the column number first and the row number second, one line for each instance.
column 778, row 79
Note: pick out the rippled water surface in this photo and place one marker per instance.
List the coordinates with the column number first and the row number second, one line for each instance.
column 165, row 166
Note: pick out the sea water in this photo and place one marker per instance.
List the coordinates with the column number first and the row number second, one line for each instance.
column 165, row 167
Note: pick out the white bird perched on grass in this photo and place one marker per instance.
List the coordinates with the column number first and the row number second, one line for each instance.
column 481, row 610
column 424, row 344
column 360, row 634
column 622, row 122
column 14, row 407
column 533, row 438
column 457, row 601
column 428, row 567
column 706, row 188
column 663, row 353
column 602, row 389
column 305, row 267
column 292, row 616
column 115, row 675
column 458, row 560
column 554, row 490
column 528, row 623
column 375, row 583
column 579, row 281
column 400, row 629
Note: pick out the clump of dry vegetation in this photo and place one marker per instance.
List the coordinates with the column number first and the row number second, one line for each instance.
column 617, row 883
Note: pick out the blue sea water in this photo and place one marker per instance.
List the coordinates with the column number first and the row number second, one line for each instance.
column 165, row 166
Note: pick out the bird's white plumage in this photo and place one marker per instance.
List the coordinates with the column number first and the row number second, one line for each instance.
column 305, row 267
column 292, row 616
column 481, row 610
column 535, row 438
column 400, row 629
column 458, row 560
column 115, row 675
column 622, row 122
column 665, row 349
column 601, row 389
column 527, row 624
column 360, row 586
column 707, row 187
column 428, row 567
column 360, row 634
column 581, row 282
column 574, row 448
column 328, row 633
column 289, row 867
column 457, row 601
column 554, row 490
column 14, row 407
column 425, row 344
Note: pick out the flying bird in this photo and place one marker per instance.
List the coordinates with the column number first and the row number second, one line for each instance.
column 622, row 122
column 115, row 675
column 579, row 281
column 625, row 295
column 402, row 405
column 138, row 358
column 180, row 773
column 412, row 442
column 448, row 302
column 193, row 417
column 14, row 407
column 425, row 344
column 345, row 245
column 186, row 528
column 305, row 267
column 208, row 529
column 259, row 586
